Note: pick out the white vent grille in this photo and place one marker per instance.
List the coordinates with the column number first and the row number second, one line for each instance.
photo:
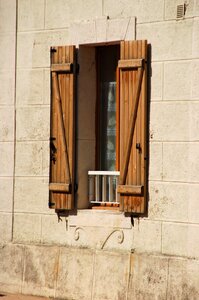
column 180, row 11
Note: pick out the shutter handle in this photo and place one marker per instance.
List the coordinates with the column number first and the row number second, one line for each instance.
column 138, row 147
column 53, row 150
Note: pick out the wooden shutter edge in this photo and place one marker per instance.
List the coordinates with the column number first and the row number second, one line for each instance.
column 130, row 189
column 130, row 63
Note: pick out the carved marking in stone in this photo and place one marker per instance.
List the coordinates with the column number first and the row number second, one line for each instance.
column 77, row 233
column 120, row 237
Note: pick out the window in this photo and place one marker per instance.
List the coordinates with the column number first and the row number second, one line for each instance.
column 120, row 121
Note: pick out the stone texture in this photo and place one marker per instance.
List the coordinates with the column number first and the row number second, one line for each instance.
column 155, row 161
column 171, row 9
column 195, row 80
column 75, row 284
column 27, row 228
column 45, row 158
column 30, row 87
column 11, row 268
column 183, row 279
column 85, row 10
column 177, row 80
column 6, row 128
column 147, row 236
column 57, row 16
column 195, row 45
column 7, row 158
column 54, row 231
column 180, row 239
column 6, row 187
column 174, row 202
column 148, row 279
column 40, row 270
column 7, row 7
column 33, row 123
column 7, row 83
column 7, row 58
column 6, row 227
column 156, row 81
column 29, row 158
column 107, row 286
column 141, row 9
column 175, row 121
column 181, row 162
column 31, row 195
column 168, row 39
column 30, row 15
column 39, row 44
column 46, row 86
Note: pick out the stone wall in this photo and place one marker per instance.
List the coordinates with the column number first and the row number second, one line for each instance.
column 155, row 257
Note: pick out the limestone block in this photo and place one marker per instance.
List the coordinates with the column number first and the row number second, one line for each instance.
column 6, row 190
column 57, row 16
column 34, row 48
column 11, row 268
column 180, row 239
column 75, row 275
column 27, row 228
column 107, row 286
column 131, row 30
column 183, row 279
column 7, row 58
column 195, row 80
column 177, row 80
column 156, row 81
column 97, row 218
column 6, row 123
column 30, row 88
column 196, row 8
column 30, row 15
column 148, row 279
column 33, row 123
column 86, row 93
column 147, row 236
column 181, row 162
column 7, row 83
column 7, row 158
column 173, row 201
column 168, row 39
column 7, row 8
column 155, row 161
column 171, row 9
column 31, row 195
column 54, row 231
column 29, row 158
column 40, row 270
column 86, row 162
column 175, row 121
column 6, row 227
column 141, row 9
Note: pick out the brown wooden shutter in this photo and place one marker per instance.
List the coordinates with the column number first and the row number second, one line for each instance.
column 132, row 131
column 62, row 135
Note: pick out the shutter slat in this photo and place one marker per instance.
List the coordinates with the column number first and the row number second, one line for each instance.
column 133, row 113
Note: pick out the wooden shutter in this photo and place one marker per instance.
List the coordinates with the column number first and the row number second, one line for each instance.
column 62, row 135
column 133, row 126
